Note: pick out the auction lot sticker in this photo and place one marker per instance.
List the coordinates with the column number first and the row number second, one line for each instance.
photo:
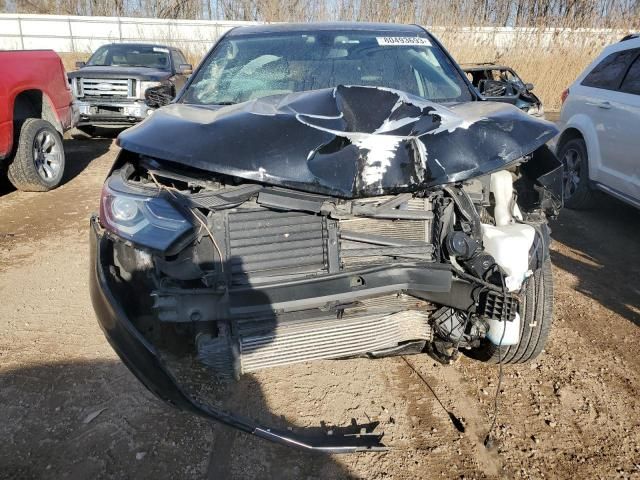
column 410, row 41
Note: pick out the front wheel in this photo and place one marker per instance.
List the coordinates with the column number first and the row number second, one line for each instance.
column 575, row 162
column 38, row 164
column 536, row 314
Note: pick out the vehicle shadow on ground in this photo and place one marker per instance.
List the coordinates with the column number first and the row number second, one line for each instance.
column 604, row 245
column 235, row 454
column 93, row 419
column 80, row 153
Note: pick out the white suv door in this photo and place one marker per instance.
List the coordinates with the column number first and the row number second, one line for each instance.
column 615, row 112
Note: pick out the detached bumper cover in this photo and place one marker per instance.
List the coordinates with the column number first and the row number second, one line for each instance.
column 144, row 361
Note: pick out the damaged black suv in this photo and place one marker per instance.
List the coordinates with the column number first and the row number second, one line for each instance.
column 324, row 191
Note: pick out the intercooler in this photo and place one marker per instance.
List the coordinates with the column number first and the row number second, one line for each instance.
column 369, row 326
column 304, row 340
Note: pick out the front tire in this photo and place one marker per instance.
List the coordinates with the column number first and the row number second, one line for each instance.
column 38, row 165
column 536, row 314
column 575, row 162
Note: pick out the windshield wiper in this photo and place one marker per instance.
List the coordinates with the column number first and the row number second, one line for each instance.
column 225, row 103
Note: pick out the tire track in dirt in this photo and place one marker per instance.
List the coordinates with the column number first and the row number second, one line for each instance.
column 454, row 408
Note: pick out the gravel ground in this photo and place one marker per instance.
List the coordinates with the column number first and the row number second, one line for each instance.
column 70, row 409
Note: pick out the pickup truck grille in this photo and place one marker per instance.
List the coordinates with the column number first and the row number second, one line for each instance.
column 108, row 87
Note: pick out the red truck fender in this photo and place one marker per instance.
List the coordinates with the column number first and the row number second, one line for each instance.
column 34, row 84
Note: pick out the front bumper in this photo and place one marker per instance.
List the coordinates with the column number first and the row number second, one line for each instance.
column 142, row 358
column 103, row 112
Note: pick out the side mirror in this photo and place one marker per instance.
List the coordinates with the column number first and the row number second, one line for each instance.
column 185, row 69
column 528, row 86
column 80, row 64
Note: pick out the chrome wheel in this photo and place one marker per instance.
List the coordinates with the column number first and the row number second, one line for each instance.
column 47, row 155
column 572, row 162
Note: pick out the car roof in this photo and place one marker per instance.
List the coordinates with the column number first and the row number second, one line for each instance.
column 129, row 44
column 627, row 43
column 326, row 26
column 631, row 36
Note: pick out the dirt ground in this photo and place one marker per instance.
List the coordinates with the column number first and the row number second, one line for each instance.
column 70, row 409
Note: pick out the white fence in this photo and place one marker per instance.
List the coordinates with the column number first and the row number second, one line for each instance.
column 85, row 34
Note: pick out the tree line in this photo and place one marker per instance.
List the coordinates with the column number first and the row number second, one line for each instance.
column 518, row 13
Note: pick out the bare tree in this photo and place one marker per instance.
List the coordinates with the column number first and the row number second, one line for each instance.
column 549, row 13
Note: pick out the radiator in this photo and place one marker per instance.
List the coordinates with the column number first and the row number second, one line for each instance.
column 357, row 254
column 266, row 243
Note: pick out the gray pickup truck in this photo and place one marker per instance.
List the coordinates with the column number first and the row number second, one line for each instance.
column 123, row 83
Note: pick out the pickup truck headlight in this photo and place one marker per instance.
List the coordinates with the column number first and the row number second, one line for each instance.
column 160, row 96
column 153, row 221
column 145, row 85
column 76, row 87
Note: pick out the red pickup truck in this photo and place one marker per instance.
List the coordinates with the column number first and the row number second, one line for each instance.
column 36, row 107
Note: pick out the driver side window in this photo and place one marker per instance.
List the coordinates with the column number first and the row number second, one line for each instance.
column 178, row 59
column 100, row 57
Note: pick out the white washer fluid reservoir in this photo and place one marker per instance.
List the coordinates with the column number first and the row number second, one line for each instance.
column 509, row 245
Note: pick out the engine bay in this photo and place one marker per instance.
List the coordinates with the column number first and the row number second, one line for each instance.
column 258, row 276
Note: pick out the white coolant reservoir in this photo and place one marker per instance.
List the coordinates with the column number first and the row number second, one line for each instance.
column 509, row 245
column 501, row 186
column 511, row 332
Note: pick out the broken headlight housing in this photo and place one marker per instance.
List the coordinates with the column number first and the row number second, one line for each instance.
column 159, row 96
column 149, row 220
column 144, row 86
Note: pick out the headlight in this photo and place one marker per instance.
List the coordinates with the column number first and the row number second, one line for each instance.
column 75, row 87
column 151, row 221
column 145, row 85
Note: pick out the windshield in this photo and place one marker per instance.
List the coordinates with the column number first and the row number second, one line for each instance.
column 244, row 68
column 130, row 56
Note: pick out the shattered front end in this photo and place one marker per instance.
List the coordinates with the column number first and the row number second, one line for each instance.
column 359, row 232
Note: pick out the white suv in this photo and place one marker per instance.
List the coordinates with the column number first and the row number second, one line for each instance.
column 599, row 142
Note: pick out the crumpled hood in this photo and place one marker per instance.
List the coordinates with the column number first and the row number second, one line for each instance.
column 345, row 141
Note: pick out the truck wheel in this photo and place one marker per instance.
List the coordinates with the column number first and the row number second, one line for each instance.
column 575, row 162
column 536, row 314
column 38, row 164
